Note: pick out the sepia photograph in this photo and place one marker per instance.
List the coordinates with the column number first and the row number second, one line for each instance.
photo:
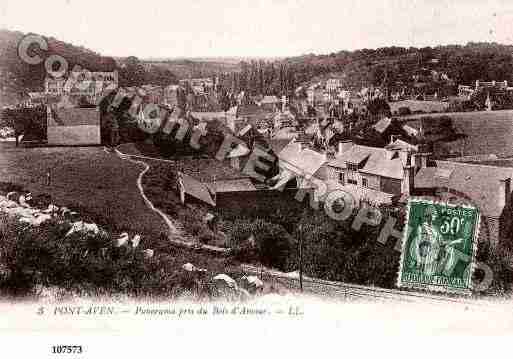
column 199, row 178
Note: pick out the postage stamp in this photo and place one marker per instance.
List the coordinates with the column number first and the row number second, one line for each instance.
column 439, row 246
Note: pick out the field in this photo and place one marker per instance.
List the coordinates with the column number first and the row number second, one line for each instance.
column 415, row 105
column 102, row 188
column 89, row 179
column 488, row 132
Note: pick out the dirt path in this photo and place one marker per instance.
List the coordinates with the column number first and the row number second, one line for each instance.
column 172, row 228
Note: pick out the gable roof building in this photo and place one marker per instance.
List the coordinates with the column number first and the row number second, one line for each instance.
column 189, row 186
column 372, row 160
column 375, row 174
column 399, row 144
column 296, row 162
column 482, row 185
column 486, row 187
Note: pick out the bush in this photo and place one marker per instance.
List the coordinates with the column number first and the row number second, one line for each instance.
column 43, row 257
column 403, row 111
column 6, row 187
column 334, row 251
column 499, row 260
column 194, row 228
column 273, row 246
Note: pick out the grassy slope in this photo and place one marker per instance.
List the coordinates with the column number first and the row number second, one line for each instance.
column 87, row 178
column 102, row 186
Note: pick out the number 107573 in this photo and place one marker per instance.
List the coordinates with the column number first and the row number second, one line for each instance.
column 66, row 349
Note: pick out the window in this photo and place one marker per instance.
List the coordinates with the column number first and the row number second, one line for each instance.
column 364, row 182
column 352, row 166
column 341, row 177
column 352, row 181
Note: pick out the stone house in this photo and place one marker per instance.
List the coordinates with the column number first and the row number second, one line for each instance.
column 375, row 174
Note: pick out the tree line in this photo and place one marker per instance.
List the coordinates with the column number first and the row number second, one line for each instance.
column 388, row 66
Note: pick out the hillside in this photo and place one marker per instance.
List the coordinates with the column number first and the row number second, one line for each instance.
column 17, row 77
column 398, row 65
column 388, row 65
column 187, row 68
column 427, row 70
column 203, row 66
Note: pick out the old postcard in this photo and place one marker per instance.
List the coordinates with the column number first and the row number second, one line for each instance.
column 195, row 178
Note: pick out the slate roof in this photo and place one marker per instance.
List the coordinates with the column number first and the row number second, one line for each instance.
column 375, row 161
column 232, row 185
column 239, row 151
column 401, row 145
column 479, row 182
column 270, row 100
column 197, row 189
column 295, row 158
column 382, row 125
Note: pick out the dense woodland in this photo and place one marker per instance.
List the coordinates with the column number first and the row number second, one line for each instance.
column 394, row 67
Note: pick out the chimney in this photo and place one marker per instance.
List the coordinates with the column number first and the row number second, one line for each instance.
column 235, row 163
column 407, row 183
column 416, row 161
column 504, row 192
column 405, row 157
column 344, row 146
column 390, row 154
column 423, row 159
column 419, row 160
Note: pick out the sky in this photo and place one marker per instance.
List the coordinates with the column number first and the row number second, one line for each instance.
column 258, row 28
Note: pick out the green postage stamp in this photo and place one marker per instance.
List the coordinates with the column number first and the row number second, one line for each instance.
column 439, row 247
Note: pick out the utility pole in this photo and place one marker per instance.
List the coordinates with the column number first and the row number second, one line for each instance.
column 301, row 257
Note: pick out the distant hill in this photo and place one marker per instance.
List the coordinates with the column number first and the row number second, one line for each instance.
column 204, row 66
column 194, row 68
column 17, row 77
column 418, row 71
column 398, row 65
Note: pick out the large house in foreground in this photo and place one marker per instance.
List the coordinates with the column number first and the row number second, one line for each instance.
column 374, row 174
column 382, row 175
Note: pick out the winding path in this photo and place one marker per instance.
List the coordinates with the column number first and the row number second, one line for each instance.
column 169, row 223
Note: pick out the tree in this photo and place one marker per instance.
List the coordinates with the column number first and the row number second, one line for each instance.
column 133, row 74
column 378, row 108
